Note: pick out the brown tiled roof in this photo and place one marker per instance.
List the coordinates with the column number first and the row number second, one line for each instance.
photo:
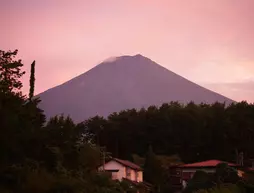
column 128, row 164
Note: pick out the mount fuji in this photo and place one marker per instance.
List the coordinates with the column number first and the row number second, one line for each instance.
column 122, row 83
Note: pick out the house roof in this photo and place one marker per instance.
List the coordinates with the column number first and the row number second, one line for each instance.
column 208, row 163
column 127, row 164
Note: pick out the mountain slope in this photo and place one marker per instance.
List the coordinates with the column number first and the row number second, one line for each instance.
column 122, row 83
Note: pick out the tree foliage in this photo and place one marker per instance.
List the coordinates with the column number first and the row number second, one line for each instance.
column 231, row 188
column 38, row 157
column 10, row 72
column 153, row 171
column 32, row 81
column 224, row 180
column 194, row 132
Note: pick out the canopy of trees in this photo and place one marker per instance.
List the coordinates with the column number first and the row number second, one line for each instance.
column 195, row 132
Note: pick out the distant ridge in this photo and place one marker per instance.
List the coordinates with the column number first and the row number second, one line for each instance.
column 121, row 83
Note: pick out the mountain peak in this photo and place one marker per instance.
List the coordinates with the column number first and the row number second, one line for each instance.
column 125, row 82
column 139, row 56
column 115, row 58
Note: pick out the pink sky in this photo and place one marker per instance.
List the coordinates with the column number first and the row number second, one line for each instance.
column 208, row 42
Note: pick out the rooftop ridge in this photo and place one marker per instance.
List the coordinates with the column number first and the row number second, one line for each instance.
column 128, row 164
column 207, row 163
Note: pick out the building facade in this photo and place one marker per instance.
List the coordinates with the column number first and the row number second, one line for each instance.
column 123, row 169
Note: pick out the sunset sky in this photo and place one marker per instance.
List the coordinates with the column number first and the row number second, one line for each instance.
column 210, row 42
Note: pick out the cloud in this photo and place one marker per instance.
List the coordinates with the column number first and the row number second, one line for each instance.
column 110, row 59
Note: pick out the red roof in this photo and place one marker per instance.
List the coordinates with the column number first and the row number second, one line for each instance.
column 208, row 163
column 250, row 169
column 128, row 164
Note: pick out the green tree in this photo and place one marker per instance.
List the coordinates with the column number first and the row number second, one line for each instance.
column 32, row 81
column 226, row 174
column 231, row 188
column 10, row 72
column 14, row 116
column 153, row 171
column 200, row 180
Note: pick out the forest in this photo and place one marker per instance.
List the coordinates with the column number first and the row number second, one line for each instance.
column 193, row 132
column 60, row 156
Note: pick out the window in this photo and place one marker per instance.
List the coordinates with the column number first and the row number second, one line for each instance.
column 128, row 172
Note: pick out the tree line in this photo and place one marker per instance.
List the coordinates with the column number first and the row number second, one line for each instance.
column 196, row 132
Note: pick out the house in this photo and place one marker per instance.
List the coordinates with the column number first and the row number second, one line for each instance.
column 181, row 174
column 123, row 169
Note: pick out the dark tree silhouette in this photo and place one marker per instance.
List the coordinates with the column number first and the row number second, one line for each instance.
column 32, row 81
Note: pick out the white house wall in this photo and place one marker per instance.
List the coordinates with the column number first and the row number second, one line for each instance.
column 133, row 175
column 113, row 165
column 140, row 176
